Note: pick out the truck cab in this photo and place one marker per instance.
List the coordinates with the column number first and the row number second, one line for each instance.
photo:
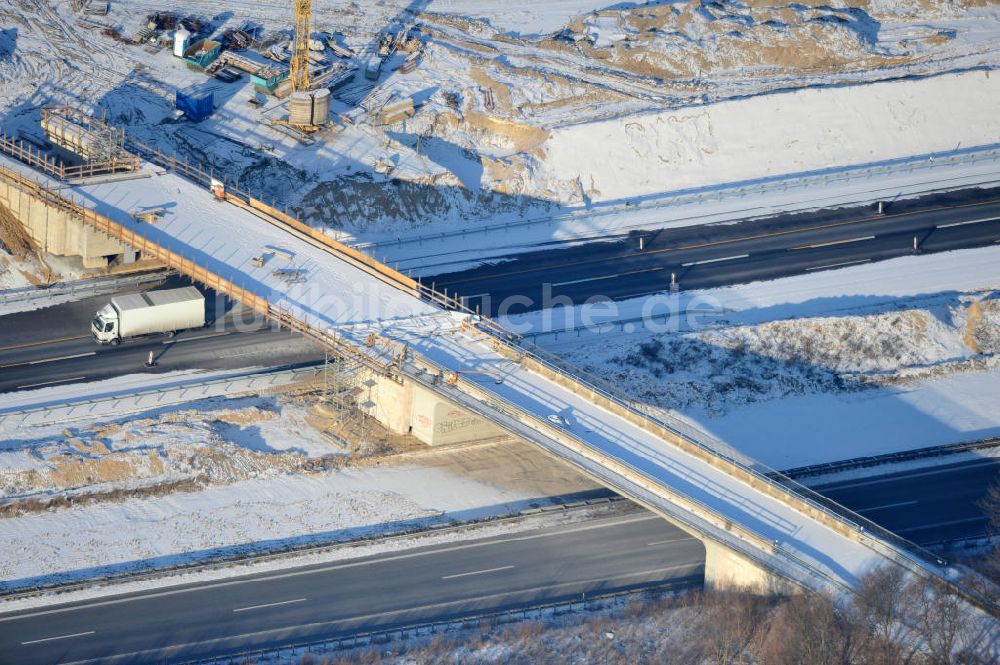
column 105, row 325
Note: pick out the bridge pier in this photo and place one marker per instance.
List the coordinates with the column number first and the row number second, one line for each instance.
column 726, row 570
column 410, row 408
column 55, row 231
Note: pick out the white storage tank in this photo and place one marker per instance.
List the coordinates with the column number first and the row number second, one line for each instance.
column 321, row 106
column 181, row 38
column 300, row 108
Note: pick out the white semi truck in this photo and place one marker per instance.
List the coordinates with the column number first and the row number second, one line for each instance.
column 151, row 312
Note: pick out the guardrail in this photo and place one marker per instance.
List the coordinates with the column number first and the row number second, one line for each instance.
column 94, row 286
column 179, row 391
column 281, row 553
column 827, row 468
column 22, row 151
column 717, row 193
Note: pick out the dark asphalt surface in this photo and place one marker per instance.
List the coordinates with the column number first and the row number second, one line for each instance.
column 721, row 254
column 925, row 506
column 446, row 581
column 53, row 346
column 362, row 594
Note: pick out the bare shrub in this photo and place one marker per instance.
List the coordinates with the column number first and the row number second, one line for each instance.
column 809, row 630
column 734, row 619
column 881, row 603
column 946, row 628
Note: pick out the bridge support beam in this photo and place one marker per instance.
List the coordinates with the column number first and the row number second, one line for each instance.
column 726, row 570
column 57, row 232
column 409, row 408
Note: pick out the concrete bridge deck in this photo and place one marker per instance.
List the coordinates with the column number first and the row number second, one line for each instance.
column 757, row 532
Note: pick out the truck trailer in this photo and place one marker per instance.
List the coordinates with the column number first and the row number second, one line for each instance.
column 147, row 313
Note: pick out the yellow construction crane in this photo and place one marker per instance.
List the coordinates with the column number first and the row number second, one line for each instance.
column 300, row 58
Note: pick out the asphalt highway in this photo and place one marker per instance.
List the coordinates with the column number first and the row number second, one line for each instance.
column 926, row 506
column 359, row 595
column 446, row 581
column 717, row 255
column 53, row 346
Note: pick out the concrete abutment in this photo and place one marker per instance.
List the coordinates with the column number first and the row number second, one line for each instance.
column 57, row 232
column 410, row 408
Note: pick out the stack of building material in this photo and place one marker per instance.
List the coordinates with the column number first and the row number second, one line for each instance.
column 338, row 50
column 393, row 113
column 410, row 63
column 96, row 7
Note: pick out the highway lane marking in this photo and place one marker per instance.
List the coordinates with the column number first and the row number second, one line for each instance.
column 838, row 265
column 724, row 258
column 973, row 221
column 922, row 527
column 280, row 602
column 476, row 572
column 49, row 360
column 831, row 243
column 367, row 617
column 888, row 505
column 352, row 564
column 666, row 542
column 57, row 637
column 594, row 279
column 49, row 383
column 916, row 474
column 191, row 339
column 42, row 343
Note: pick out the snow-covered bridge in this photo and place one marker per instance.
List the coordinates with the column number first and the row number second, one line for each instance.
column 426, row 352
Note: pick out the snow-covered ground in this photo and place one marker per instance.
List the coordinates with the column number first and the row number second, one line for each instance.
column 504, row 151
column 764, row 136
column 229, row 476
column 665, row 96
column 245, row 516
column 802, row 370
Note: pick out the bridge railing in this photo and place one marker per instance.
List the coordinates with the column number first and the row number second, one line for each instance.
column 689, row 512
column 500, row 337
column 757, row 470
column 904, row 552
column 894, row 546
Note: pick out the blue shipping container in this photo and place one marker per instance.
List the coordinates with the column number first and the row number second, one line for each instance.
column 195, row 108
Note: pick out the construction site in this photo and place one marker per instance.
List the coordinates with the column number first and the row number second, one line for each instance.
column 326, row 321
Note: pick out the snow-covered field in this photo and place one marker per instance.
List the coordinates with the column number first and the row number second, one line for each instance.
column 225, row 477
column 534, row 109
column 815, row 368
column 759, row 137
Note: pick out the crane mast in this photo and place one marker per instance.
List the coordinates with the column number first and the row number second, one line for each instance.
column 300, row 58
